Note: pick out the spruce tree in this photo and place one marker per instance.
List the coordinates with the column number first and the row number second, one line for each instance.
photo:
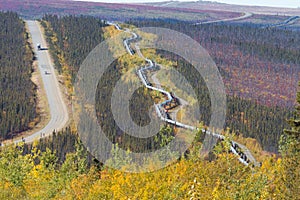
column 290, row 150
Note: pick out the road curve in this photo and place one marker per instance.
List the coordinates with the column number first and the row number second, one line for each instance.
column 286, row 22
column 58, row 110
column 246, row 15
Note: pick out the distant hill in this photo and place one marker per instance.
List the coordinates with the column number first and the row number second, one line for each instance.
column 208, row 5
column 121, row 12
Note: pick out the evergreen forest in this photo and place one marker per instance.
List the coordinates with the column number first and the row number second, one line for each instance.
column 17, row 92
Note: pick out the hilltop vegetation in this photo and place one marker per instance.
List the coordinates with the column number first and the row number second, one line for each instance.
column 17, row 91
column 38, row 176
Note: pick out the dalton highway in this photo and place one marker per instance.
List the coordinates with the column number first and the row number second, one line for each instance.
column 58, row 110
